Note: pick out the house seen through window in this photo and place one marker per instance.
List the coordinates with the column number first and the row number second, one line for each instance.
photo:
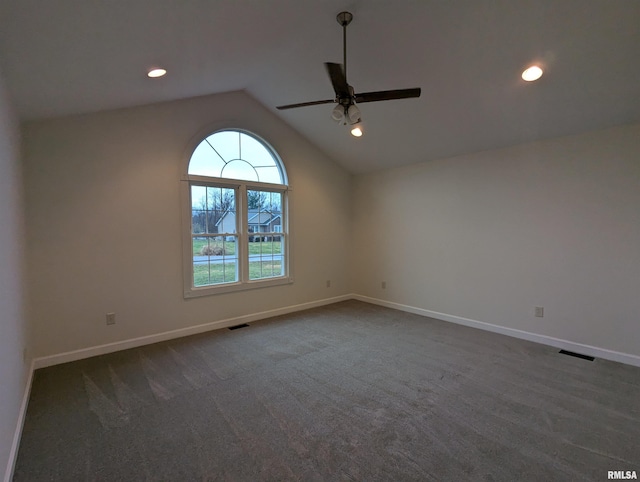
column 238, row 236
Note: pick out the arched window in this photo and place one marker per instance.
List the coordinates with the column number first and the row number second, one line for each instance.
column 236, row 203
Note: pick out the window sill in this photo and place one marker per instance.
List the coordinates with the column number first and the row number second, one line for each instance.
column 233, row 287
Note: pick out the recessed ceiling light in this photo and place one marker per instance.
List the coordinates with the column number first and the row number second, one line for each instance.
column 156, row 73
column 532, row 73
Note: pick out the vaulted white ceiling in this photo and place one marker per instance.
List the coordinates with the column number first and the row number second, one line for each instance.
column 63, row 57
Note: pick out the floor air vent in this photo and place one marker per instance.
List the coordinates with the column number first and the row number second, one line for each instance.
column 238, row 326
column 577, row 355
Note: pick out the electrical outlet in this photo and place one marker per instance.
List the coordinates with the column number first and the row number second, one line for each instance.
column 539, row 312
column 384, row 285
column 111, row 318
column 328, row 283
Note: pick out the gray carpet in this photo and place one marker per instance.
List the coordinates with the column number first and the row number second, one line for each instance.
column 350, row 391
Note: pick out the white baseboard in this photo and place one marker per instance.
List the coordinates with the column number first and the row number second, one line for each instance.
column 593, row 351
column 13, row 453
column 597, row 352
column 169, row 335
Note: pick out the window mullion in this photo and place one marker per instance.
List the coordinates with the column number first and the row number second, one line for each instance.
column 243, row 236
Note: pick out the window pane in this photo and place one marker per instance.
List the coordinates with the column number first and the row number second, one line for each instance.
column 214, row 260
column 240, row 169
column 255, row 268
column 218, row 203
column 198, row 222
column 235, row 155
column 209, row 206
column 261, row 267
column 278, row 267
column 220, row 199
column 204, row 219
column 269, row 174
column 265, row 210
column 265, row 256
column 255, row 153
column 256, row 200
column 205, row 162
column 228, row 202
column 225, row 145
column 198, row 197
column 227, row 222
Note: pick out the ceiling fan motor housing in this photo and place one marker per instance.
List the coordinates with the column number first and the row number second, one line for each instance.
column 344, row 18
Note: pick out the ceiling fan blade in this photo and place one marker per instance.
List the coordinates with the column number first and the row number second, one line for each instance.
column 388, row 95
column 338, row 80
column 305, row 104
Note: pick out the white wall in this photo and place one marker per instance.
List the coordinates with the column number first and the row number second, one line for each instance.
column 485, row 236
column 489, row 236
column 13, row 330
column 103, row 231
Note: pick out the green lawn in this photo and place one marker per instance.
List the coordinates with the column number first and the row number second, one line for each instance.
column 215, row 273
column 265, row 247
column 208, row 274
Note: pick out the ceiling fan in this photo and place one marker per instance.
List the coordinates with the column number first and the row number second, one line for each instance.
column 346, row 111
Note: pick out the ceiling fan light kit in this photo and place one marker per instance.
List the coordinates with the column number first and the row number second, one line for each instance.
column 353, row 113
column 346, row 111
column 346, row 114
column 155, row 73
column 338, row 113
column 532, row 73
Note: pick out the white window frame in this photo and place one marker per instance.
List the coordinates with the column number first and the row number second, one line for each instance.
column 241, row 187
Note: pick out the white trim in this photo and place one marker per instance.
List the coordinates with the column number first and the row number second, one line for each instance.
column 593, row 351
column 212, row 290
column 169, row 335
column 242, row 246
column 242, row 235
column 231, row 183
column 597, row 352
column 13, row 453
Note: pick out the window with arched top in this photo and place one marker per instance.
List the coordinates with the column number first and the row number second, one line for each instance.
column 236, row 199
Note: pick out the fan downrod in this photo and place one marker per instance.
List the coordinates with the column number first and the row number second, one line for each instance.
column 344, row 18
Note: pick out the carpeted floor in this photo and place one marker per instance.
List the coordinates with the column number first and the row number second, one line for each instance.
column 350, row 391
